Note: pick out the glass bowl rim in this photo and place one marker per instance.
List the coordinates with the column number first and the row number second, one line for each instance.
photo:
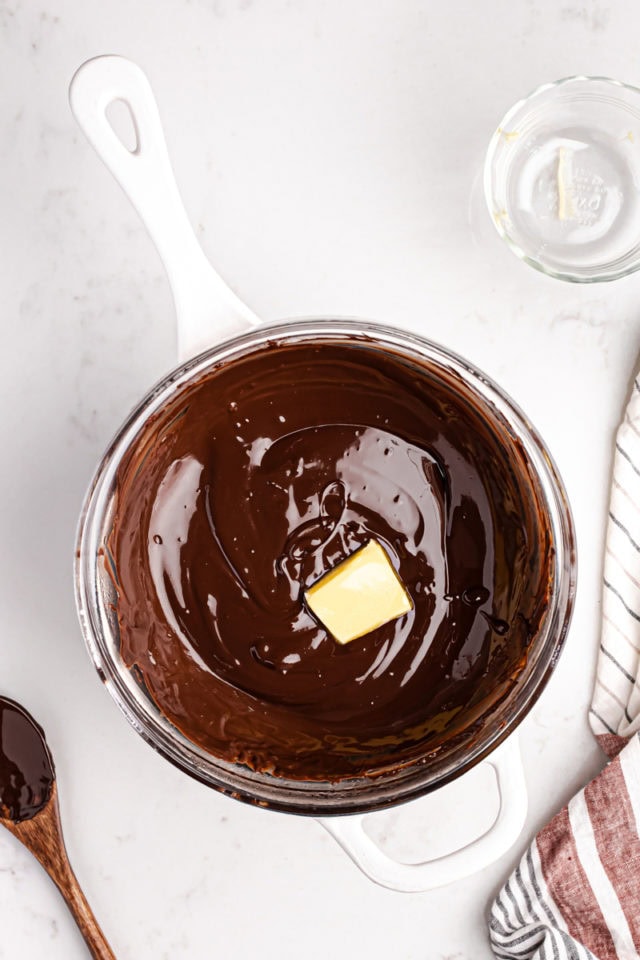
column 363, row 793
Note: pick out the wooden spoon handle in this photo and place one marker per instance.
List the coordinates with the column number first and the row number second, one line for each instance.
column 43, row 837
column 83, row 915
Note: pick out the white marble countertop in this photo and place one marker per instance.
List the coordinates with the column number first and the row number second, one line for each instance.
column 326, row 152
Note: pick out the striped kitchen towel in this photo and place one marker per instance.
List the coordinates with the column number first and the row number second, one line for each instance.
column 576, row 893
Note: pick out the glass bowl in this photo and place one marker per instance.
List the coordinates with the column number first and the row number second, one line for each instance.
column 562, row 179
column 96, row 597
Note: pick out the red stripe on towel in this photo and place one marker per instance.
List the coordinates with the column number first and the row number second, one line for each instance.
column 569, row 886
column 611, row 743
column 614, row 829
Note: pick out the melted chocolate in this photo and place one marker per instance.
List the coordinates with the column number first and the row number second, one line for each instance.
column 26, row 767
column 256, row 480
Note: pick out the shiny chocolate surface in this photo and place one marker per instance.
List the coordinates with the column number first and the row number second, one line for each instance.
column 253, row 482
column 26, row 767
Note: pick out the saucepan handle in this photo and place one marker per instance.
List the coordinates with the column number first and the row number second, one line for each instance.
column 415, row 878
column 207, row 309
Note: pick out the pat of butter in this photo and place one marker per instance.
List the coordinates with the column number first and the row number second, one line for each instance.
column 565, row 186
column 360, row 594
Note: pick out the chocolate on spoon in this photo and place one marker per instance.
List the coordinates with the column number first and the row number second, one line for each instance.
column 29, row 810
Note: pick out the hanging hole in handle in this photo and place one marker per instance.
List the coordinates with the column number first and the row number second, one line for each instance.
column 441, row 822
column 123, row 124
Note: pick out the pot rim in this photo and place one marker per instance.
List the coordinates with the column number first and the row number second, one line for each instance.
column 365, row 792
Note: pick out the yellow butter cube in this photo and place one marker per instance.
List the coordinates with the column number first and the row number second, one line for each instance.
column 360, row 594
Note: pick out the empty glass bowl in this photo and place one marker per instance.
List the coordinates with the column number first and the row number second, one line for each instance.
column 562, row 179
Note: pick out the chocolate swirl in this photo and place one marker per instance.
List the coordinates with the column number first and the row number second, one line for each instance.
column 252, row 483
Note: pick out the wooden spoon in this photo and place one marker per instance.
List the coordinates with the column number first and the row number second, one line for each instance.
column 29, row 810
